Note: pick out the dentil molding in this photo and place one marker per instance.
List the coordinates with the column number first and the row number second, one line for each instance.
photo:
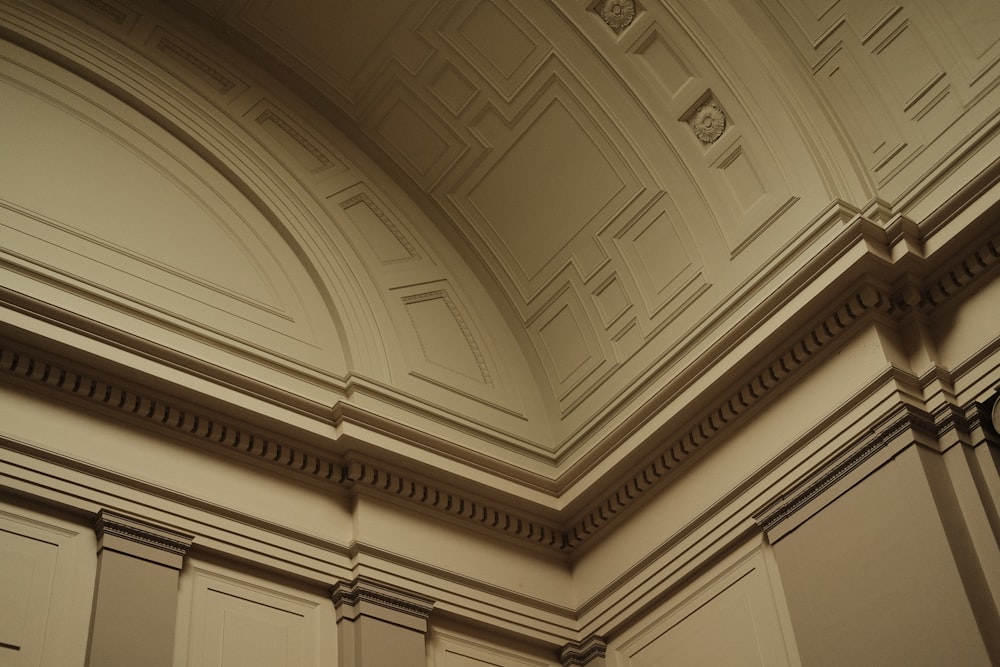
column 47, row 373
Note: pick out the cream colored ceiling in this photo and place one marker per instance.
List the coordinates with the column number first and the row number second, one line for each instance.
column 606, row 173
column 596, row 214
column 608, row 162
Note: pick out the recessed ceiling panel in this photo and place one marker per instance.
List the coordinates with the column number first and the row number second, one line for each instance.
column 546, row 188
column 497, row 41
column 336, row 38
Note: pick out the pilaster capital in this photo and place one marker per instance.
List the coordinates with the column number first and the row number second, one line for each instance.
column 591, row 651
column 367, row 597
column 141, row 539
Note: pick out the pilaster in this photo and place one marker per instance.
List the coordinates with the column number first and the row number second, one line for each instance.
column 135, row 601
column 380, row 625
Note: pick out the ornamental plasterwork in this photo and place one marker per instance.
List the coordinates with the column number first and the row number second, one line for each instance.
column 618, row 14
column 708, row 122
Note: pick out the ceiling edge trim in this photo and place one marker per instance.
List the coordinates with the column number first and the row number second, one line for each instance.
column 866, row 300
column 129, row 400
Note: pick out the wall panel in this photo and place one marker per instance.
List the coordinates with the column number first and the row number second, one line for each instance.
column 47, row 568
column 231, row 619
column 727, row 617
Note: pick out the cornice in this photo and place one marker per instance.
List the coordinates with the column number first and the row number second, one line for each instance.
column 945, row 284
column 141, row 539
column 164, row 413
column 578, row 654
column 366, row 475
column 159, row 411
column 867, row 299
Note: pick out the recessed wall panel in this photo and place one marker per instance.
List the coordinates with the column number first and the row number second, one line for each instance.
column 232, row 620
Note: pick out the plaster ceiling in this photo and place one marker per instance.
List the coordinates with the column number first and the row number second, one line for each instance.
column 610, row 168
column 536, row 245
column 550, row 235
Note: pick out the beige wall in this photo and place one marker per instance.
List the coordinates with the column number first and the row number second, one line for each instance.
column 872, row 578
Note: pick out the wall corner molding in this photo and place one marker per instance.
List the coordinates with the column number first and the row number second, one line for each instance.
column 591, row 651
column 865, row 300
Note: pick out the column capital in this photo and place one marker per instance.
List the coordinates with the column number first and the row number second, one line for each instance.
column 367, row 597
column 590, row 651
column 141, row 539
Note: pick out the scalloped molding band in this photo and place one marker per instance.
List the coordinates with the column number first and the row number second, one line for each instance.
column 160, row 412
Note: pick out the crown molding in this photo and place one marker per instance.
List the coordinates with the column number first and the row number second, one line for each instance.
column 359, row 474
column 865, row 300
column 128, row 400
column 905, row 420
column 161, row 412
column 945, row 284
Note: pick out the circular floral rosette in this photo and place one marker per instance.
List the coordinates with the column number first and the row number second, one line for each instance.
column 708, row 122
column 618, row 13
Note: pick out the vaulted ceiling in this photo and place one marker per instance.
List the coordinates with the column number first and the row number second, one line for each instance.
column 545, row 237
column 613, row 172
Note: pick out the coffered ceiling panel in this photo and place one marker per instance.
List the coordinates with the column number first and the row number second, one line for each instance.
column 497, row 41
column 553, row 173
column 601, row 166
column 662, row 259
column 342, row 42
column 413, row 134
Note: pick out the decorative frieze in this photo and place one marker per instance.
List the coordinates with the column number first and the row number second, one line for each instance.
column 452, row 503
column 763, row 382
column 961, row 273
column 163, row 413
column 364, row 200
column 178, row 51
column 109, row 10
column 268, row 115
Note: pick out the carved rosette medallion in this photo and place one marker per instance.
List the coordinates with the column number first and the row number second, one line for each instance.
column 618, row 14
column 708, row 123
